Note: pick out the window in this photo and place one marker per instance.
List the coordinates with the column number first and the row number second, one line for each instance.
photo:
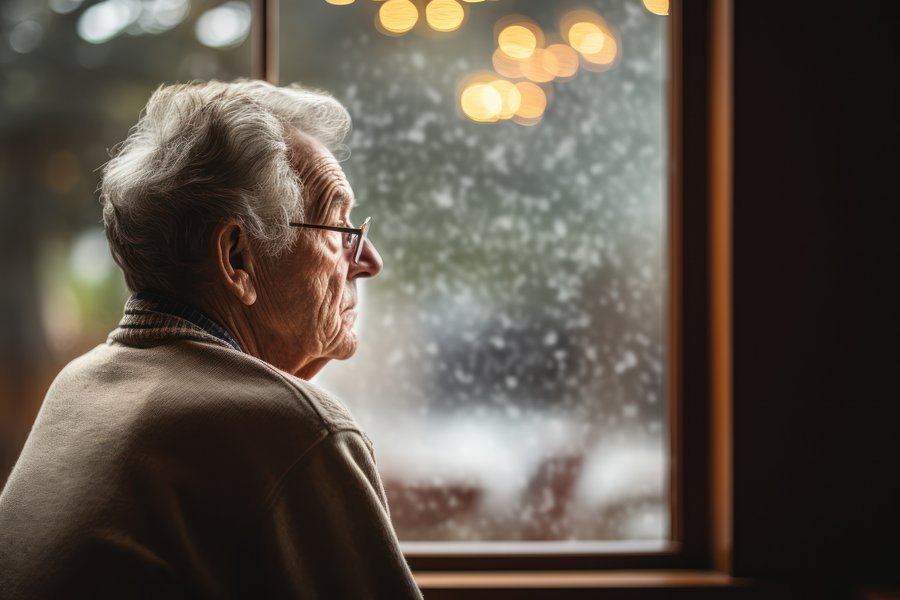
column 530, row 358
column 512, row 368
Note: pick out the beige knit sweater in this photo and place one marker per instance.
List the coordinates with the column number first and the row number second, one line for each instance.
column 166, row 464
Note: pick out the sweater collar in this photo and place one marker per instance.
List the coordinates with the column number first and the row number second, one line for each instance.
column 151, row 316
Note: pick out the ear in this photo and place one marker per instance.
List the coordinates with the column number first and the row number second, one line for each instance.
column 234, row 262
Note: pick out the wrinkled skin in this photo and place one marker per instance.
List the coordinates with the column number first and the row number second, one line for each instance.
column 295, row 311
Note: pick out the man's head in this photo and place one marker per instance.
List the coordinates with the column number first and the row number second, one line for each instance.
column 198, row 202
column 201, row 153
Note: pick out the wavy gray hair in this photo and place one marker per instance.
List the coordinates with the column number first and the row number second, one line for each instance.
column 201, row 153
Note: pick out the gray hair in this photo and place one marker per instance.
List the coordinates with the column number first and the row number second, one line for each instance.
column 202, row 153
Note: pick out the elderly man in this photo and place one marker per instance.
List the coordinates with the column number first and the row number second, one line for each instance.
column 188, row 456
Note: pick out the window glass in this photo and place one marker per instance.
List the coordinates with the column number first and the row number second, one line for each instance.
column 73, row 78
column 512, row 154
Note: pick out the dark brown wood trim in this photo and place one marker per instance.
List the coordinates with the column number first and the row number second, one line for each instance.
column 264, row 40
column 574, row 579
column 689, row 351
column 674, row 340
column 720, row 173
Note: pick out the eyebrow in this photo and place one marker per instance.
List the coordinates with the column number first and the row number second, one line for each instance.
column 342, row 199
column 338, row 203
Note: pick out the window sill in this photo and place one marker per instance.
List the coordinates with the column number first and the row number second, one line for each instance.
column 566, row 584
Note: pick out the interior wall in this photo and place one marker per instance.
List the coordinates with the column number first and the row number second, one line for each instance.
column 816, row 419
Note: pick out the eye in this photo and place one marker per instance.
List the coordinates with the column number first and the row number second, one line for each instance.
column 348, row 239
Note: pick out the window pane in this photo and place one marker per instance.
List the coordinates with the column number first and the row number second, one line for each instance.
column 74, row 77
column 511, row 365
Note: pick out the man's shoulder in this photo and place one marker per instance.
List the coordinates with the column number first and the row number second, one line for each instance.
column 258, row 380
column 192, row 377
column 186, row 408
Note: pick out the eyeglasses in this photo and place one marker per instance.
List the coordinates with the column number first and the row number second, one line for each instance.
column 354, row 237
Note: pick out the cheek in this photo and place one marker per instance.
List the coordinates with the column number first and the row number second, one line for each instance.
column 328, row 293
column 336, row 300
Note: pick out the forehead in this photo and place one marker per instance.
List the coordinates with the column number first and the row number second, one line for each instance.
column 324, row 183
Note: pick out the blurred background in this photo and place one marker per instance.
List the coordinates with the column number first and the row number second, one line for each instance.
column 512, row 155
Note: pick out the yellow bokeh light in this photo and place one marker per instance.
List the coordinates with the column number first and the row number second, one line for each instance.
column 339, row 2
column 564, row 63
column 398, row 16
column 517, row 41
column 586, row 38
column 657, row 7
column 510, row 97
column 481, row 102
column 534, row 100
column 581, row 15
column 444, row 15
column 592, row 37
column 506, row 66
column 536, row 66
column 604, row 58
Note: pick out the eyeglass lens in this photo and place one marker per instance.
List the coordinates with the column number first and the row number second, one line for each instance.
column 361, row 240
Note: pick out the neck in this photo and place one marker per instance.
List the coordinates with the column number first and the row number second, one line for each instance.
column 249, row 327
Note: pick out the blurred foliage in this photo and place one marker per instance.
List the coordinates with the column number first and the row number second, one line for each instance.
column 63, row 105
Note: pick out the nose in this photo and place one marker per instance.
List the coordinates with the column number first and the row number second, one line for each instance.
column 369, row 263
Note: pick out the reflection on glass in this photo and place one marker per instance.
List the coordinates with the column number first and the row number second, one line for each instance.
column 511, row 365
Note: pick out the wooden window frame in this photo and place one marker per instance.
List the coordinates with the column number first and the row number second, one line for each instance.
column 699, row 355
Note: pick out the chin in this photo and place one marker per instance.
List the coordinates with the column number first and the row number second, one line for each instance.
column 345, row 347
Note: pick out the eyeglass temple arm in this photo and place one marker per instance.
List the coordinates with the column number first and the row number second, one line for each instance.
column 328, row 227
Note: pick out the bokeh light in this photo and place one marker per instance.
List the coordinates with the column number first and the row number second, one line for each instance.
column 105, row 20
column 158, row 16
column 657, row 7
column 506, row 65
column 564, row 63
column 586, row 38
column 592, row 37
column 64, row 6
column 583, row 30
column 225, row 26
column 340, row 2
column 605, row 58
column 541, row 66
column 26, row 36
column 481, row 102
column 510, row 97
column 486, row 98
column 533, row 102
column 444, row 15
column 398, row 16
column 517, row 41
